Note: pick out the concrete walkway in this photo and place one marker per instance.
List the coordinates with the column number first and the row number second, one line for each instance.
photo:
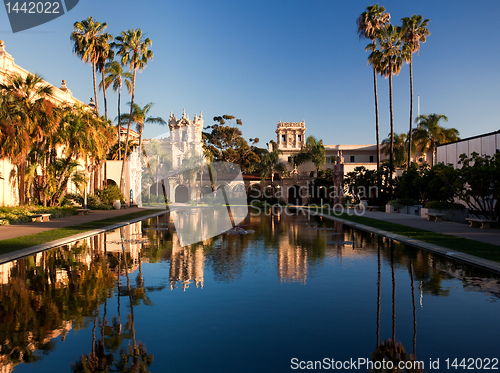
column 25, row 229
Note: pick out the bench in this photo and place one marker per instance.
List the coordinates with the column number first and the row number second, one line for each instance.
column 83, row 211
column 373, row 208
column 435, row 216
column 476, row 222
column 41, row 217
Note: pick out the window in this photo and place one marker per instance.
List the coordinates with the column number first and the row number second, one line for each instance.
column 184, row 136
column 283, row 138
column 352, row 158
column 371, row 158
column 289, row 159
column 299, row 138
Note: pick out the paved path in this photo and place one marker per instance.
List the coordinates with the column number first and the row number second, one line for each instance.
column 17, row 230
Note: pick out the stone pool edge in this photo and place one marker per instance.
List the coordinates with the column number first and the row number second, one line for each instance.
column 23, row 253
column 443, row 251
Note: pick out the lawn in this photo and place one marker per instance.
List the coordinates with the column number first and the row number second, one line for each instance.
column 480, row 249
column 18, row 243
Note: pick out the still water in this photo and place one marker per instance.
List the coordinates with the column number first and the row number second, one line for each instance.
column 294, row 290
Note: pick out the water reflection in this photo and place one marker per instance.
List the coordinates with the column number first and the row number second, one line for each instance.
column 98, row 285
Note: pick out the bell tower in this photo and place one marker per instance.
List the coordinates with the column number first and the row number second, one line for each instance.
column 291, row 135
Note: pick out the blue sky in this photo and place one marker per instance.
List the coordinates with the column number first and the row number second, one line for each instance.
column 264, row 61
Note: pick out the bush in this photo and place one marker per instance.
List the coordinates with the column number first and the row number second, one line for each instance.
column 71, row 198
column 110, row 194
column 444, row 205
column 401, row 202
column 17, row 215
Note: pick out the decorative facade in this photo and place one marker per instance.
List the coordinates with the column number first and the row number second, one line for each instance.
column 291, row 136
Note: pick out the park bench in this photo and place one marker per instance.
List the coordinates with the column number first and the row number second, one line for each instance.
column 41, row 217
column 373, row 208
column 83, row 211
column 480, row 223
column 435, row 216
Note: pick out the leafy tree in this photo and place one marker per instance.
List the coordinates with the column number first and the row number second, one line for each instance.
column 478, row 183
column 134, row 51
column 429, row 134
column 32, row 117
column 369, row 23
column 225, row 143
column 413, row 32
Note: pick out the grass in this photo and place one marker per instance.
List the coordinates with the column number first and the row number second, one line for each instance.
column 465, row 245
column 18, row 243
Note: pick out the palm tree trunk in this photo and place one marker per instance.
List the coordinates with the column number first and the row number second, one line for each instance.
column 391, row 161
column 122, row 177
column 105, row 100
column 411, row 114
column 119, row 124
column 95, row 88
column 22, row 171
column 376, row 117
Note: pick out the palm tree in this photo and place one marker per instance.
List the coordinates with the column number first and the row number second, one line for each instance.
column 369, row 22
column 104, row 54
column 87, row 43
column 413, row 32
column 317, row 152
column 32, row 117
column 134, row 51
column 270, row 163
column 429, row 134
column 139, row 117
column 389, row 60
column 116, row 77
column 400, row 146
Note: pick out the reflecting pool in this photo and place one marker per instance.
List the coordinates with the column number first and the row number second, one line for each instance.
column 290, row 291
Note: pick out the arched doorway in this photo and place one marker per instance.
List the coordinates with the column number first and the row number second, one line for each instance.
column 239, row 191
column 294, row 197
column 181, row 194
column 110, row 182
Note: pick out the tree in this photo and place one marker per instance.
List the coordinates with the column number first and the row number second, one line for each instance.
column 116, row 77
column 429, row 134
column 87, row 40
column 369, row 23
column 270, row 163
column 478, row 183
column 413, row 32
column 313, row 151
column 33, row 119
column 104, row 54
column 134, row 51
column 400, row 146
column 389, row 60
column 139, row 117
column 225, row 143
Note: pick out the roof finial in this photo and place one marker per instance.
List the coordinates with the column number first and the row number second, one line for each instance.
column 184, row 113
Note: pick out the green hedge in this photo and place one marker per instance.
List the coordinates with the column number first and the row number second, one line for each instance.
column 17, row 215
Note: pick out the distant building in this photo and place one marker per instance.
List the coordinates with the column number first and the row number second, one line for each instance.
column 487, row 144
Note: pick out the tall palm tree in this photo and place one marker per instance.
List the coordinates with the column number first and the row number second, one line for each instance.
column 413, row 32
column 86, row 38
column 317, row 152
column 369, row 22
column 139, row 117
column 104, row 54
column 400, row 147
column 429, row 134
column 32, row 118
column 134, row 51
column 116, row 76
column 270, row 163
column 389, row 60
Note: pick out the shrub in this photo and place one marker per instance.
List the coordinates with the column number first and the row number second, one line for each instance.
column 402, row 202
column 444, row 205
column 110, row 194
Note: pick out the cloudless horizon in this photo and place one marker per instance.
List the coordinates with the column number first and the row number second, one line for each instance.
column 266, row 61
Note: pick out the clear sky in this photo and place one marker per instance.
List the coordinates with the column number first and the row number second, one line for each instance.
column 288, row 60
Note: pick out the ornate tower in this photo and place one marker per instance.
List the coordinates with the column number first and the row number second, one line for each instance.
column 291, row 135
